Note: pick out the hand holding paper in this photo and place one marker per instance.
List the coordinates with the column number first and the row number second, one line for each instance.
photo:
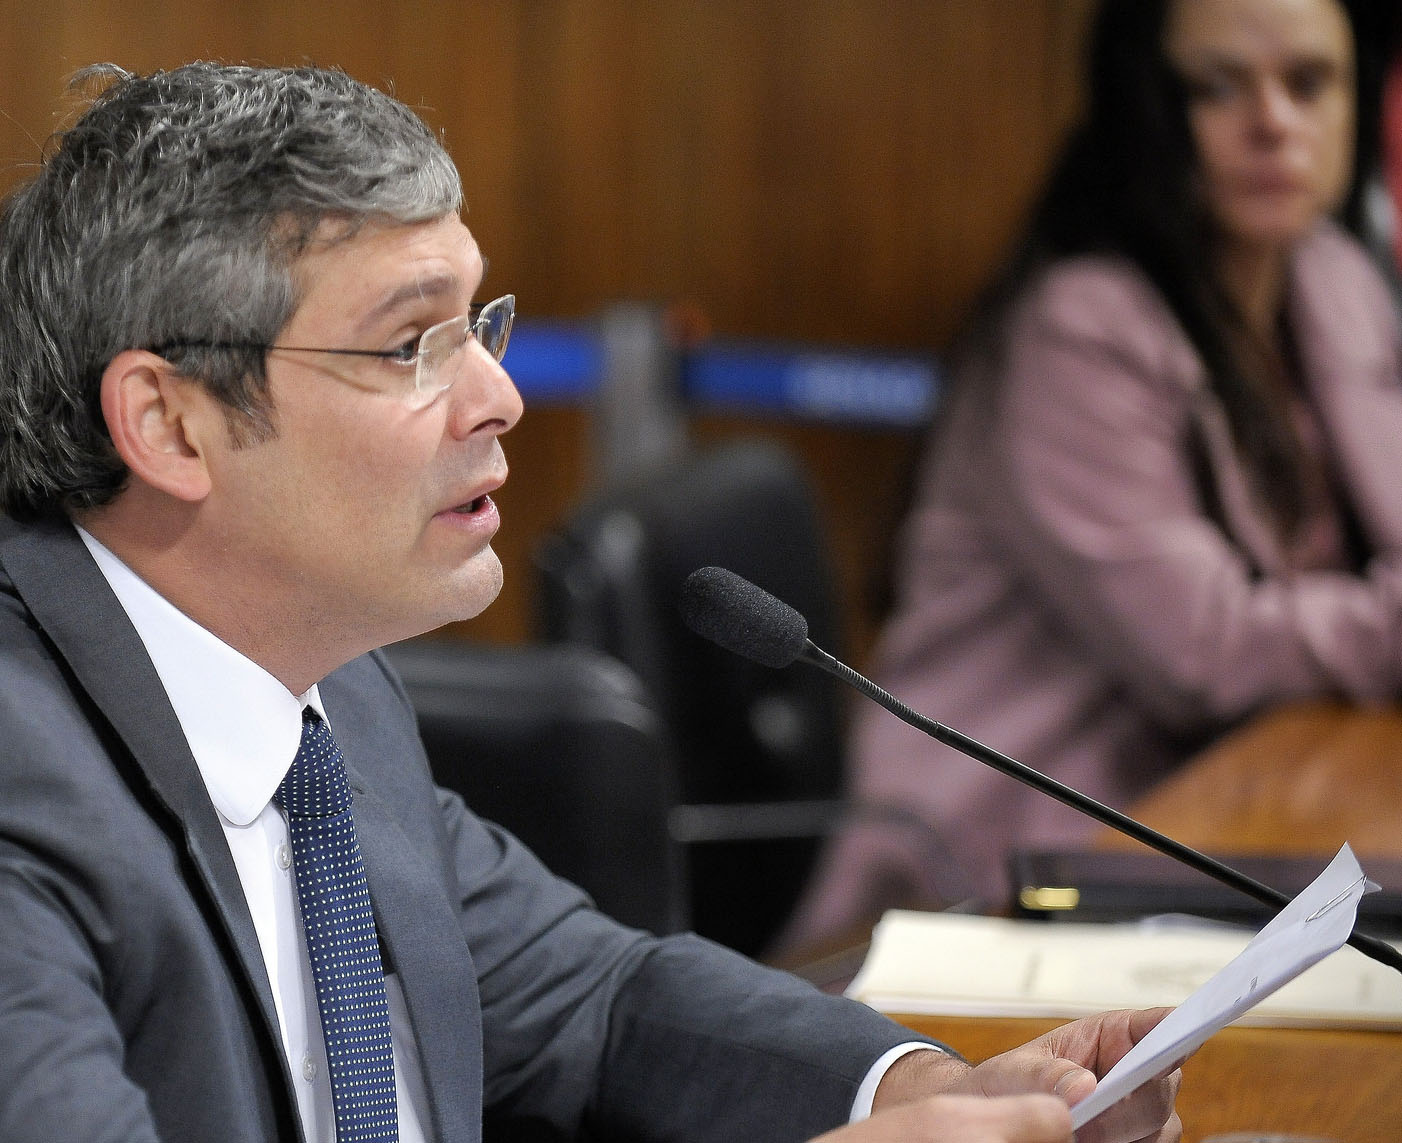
column 1021, row 1096
column 1066, row 1062
column 1307, row 930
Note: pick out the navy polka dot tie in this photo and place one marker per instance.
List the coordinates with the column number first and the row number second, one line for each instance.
column 340, row 932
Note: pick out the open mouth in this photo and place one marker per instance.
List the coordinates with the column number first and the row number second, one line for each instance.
column 473, row 506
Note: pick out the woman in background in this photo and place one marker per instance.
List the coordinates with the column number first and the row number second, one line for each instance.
column 1165, row 491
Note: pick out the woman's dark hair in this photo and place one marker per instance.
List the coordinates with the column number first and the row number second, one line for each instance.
column 1123, row 185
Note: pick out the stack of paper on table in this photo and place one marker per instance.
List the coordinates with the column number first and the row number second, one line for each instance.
column 950, row 964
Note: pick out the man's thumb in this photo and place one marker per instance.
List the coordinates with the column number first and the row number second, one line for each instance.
column 1070, row 1081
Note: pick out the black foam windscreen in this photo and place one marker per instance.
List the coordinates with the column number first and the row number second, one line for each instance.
column 729, row 610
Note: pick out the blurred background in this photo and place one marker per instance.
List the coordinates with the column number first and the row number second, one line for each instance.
column 832, row 172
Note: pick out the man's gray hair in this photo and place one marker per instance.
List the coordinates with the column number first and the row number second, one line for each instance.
column 173, row 210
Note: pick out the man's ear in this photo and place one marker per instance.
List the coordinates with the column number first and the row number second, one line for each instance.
column 160, row 423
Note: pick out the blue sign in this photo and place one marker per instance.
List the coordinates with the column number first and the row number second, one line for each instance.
column 867, row 388
column 565, row 364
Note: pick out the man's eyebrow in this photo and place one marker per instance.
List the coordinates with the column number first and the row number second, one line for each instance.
column 420, row 289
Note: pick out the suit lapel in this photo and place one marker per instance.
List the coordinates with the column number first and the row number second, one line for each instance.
column 418, row 927
column 69, row 598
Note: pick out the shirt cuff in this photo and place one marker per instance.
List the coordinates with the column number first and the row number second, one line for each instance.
column 861, row 1106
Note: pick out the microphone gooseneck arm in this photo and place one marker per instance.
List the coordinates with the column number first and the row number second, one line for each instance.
column 1369, row 945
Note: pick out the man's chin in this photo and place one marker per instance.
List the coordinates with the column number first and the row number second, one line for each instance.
column 463, row 595
column 479, row 585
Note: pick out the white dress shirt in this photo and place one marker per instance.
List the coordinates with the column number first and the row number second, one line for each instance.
column 244, row 727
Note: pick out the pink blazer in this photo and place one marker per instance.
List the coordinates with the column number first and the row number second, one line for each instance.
column 1065, row 596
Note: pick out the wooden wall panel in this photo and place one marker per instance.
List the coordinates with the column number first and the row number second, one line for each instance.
column 839, row 171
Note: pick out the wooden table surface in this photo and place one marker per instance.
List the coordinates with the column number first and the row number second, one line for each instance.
column 1296, row 781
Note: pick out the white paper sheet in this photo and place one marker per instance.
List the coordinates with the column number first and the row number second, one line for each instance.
column 1315, row 924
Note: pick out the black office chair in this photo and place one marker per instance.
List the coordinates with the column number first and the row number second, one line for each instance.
column 560, row 745
column 759, row 750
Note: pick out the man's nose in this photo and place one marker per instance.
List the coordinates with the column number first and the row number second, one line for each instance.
column 483, row 396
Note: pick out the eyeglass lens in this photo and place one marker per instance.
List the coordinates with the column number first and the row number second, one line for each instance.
column 493, row 325
column 492, row 328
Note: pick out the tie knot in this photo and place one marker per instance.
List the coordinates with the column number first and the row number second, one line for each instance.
column 316, row 786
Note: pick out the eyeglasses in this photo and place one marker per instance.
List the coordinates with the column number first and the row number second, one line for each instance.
column 430, row 354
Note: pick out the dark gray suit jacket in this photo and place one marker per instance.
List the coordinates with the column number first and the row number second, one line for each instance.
column 134, row 1004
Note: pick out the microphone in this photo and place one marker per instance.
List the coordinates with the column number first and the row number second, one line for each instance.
column 730, row 611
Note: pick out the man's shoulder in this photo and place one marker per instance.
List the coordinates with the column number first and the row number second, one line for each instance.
column 66, row 792
column 24, row 651
column 43, row 560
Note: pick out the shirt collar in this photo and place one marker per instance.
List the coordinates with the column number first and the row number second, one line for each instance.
column 243, row 726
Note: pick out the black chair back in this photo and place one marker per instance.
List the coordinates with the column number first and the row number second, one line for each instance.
column 560, row 745
column 759, row 750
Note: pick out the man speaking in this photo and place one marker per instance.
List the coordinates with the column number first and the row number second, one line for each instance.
column 250, row 417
